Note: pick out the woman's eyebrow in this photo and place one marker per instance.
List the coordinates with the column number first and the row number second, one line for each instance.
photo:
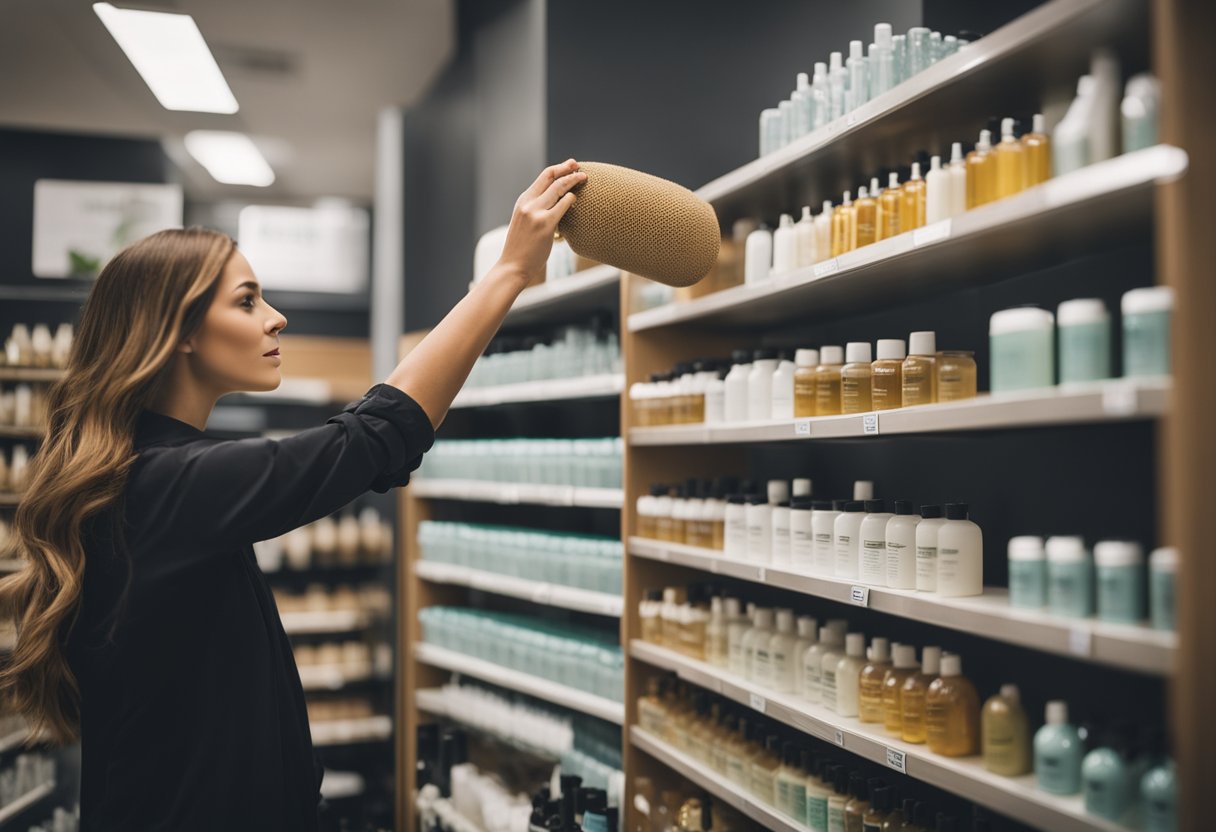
column 248, row 284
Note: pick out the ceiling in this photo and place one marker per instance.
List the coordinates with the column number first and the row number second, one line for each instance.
column 310, row 77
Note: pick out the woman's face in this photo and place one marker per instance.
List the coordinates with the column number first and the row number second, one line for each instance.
column 236, row 349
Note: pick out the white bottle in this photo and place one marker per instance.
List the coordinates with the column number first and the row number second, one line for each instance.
column 838, row 82
column 808, row 630
column 802, row 535
column 821, row 96
column 812, row 662
column 755, row 645
column 758, row 256
column 823, row 528
column 848, row 675
column 859, row 76
column 737, row 625
column 803, row 106
column 882, row 61
column 801, row 485
column 785, row 247
column 926, row 547
column 759, row 530
column 782, row 550
column 872, row 566
column 715, row 398
column 1070, row 146
column 804, row 238
column 958, row 180
column 937, row 192
column 960, row 554
column 901, row 546
column 760, row 385
column 737, row 388
column 782, row 648
column 783, row 390
column 823, row 232
column 863, row 490
column 847, row 533
column 734, row 538
column 1104, row 126
column 827, row 670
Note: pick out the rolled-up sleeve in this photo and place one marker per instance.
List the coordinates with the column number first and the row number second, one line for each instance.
column 242, row 491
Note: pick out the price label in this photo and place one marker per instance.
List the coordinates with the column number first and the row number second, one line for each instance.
column 761, row 575
column 1119, row 399
column 869, row 424
column 840, row 738
column 1080, row 642
column 757, row 702
column 802, row 427
column 827, row 267
column 929, row 234
column 860, row 595
column 897, row 760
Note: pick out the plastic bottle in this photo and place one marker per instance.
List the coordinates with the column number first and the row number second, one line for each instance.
column 887, row 376
column 1005, row 734
column 1163, row 567
column 1037, row 147
column 1010, row 160
column 856, row 379
column 870, row 681
column 827, row 674
column 1139, row 110
column 843, row 219
column 805, row 362
column 1106, row 781
column 823, row 232
column 785, row 247
column 781, row 646
column 781, row 402
column 1159, row 793
column 804, row 239
column 904, row 666
column 882, row 61
column 760, row 384
column 846, row 531
column 1057, row 752
column 838, row 82
column 847, row 675
column 915, row 689
column 960, row 554
column 980, row 172
column 958, row 179
column 859, row 76
column 912, row 209
column 937, row 192
column 919, row 374
column 759, row 513
column 823, row 522
column 900, row 570
column 952, row 712
column 1083, row 333
column 926, row 547
column 872, row 568
column 827, row 381
column 802, row 535
column 1070, row 149
column 821, row 98
column 736, row 386
column 889, row 202
column 758, row 256
column 812, row 663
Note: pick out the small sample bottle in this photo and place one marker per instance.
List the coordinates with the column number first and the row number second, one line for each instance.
column 926, row 547
column 912, row 206
column 1027, row 573
column 758, row 256
column 903, row 667
column 1005, row 734
column 855, row 379
column 980, row 172
column 937, row 191
column 805, row 362
column 1009, row 158
column 1162, row 567
column 871, row 679
column 872, row 567
column 952, row 712
column 1146, row 331
column 956, row 375
column 960, row 554
column 823, row 232
column 887, row 383
column 846, row 532
column 958, row 179
column 1084, row 336
column 785, row 247
column 919, row 376
column 1106, row 781
column 848, row 671
column 1022, row 342
column 1159, row 797
column 823, row 521
column 782, row 402
column 1070, row 577
column 901, row 546
column 865, row 227
column 843, row 220
column 1037, row 147
column 760, row 384
column 1119, row 566
column 802, row 535
column 827, row 381
column 912, row 698
column 1057, row 752
column 889, row 202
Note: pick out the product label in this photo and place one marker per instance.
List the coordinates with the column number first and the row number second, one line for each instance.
column 802, row 427
column 840, row 738
column 828, row 693
column 926, row 567
column 817, row 811
column 947, row 565
column 860, row 595
column 758, row 703
column 1080, row 641
column 896, row 760
column 826, row 267
column 869, row 424
column 873, row 557
column 836, row 819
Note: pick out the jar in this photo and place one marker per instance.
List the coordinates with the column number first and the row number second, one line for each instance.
column 1023, row 349
column 955, row 375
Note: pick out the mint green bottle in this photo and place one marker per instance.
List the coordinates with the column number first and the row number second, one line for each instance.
column 1106, row 783
column 1083, row 328
column 1070, row 577
column 1159, row 793
column 1162, row 565
column 1120, row 581
column 1057, row 752
column 1022, row 342
column 1146, row 331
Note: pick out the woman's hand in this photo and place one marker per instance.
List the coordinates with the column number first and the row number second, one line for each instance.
column 537, row 213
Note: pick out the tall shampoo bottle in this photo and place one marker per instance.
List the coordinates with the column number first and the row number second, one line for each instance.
column 926, row 547
column 952, row 712
column 937, row 192
column 960, row 554
column 848, row 675
column 915, row 689
column 1005, row 734
column 872, row 567
column 901, row 546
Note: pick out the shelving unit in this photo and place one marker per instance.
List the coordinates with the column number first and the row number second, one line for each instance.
column 46, row 374
column 24, row 802
column 22, row 432
column 533, row 392
column 538, row 592
column 433, row 701
column 517, row 493
column 350, row 731
column 579, row 293
column 334, row 621
column 331, row 677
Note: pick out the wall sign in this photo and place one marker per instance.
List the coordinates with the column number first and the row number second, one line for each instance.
column 321, row 249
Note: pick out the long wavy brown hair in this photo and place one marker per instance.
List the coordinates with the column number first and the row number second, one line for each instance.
column 146, row 301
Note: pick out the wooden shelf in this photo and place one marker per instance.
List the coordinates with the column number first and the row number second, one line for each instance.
column 568, row 297
column 314, row 623
column 434, row 701
column 8, row 498
column 538, row 592
column 567, row 697
column 966, row 777
column 536, row 392
column 1116, row 400
column 38, row 374
column 14, row 809
column 23, row 432
column 518, row 493
column 351, row 731
column 1137, row 648
column 332, row 677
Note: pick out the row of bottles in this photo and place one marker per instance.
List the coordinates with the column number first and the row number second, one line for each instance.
column 14, row 468
column 675, row 810
column 573, row 808
column 36, row 347
column 568, row 352
column 24, row 405
column 363, row 539
column 371, row 599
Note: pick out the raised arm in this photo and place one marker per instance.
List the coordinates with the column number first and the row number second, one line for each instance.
column 434, row 371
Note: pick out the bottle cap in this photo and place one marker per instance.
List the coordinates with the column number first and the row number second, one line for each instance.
column 1164, row 559
column 741, row 357
column 806, row 214
column 1020, row 319
column 736, row 499
column 905, row 656
column 956, row 511
column 764, row 354
column 825, row 635
column 891, row 349
column 874, row 506
column 915, row 171
column 952, row 665
column 821, row 505
column 835, row 61
column 808, row 627
column 778, row 491
column 802, row 487
column 827, row 208
column 893, row 180
column 931, row 660
column 922, row 343
column 1057, row 712
column 1114, row 553
column 791, row 754
column 863, row 490
column 857, row 786
column 785, row 621
column 881, row 798
column 882, row 34
column 772, row 744
column 956, row 152
column 733, row 608
column 935, row 163
column 764, row 618
column 874, row 188
column 930, row 512
column 854, row 506
column 854, row 49
column 1011, row 692
column 831, row 355
column 755, row 499
column 985, row 142
column 1062, row 549
column 1037, row 124
column 922, row 816
column 946, row 823
column 1006, row 129
column 903, row 508
column 1082, row 311
column 847, row 199
column 806, row 358
column 859, row 352
column 880, row 650
column 1150, row 299
column 863, row 192
column 838, row 505
column 802, row 504
column 1026, row 547
column 786, row 221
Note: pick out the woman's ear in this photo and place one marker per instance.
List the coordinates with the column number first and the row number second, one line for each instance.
column 186, row 346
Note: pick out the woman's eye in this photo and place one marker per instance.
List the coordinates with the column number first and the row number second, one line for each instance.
column 248, row 301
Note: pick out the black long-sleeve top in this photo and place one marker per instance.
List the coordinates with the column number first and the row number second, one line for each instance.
column 192, row 711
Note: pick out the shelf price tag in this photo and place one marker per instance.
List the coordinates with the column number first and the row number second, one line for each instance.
column 869, row 424
column 840, row 738
column 758, row 703
column 860, row 595
column 802, row 427
column 1119, row 399
column 827, row 267
column 1080, row 642
column 897, row 760
column 928, row 234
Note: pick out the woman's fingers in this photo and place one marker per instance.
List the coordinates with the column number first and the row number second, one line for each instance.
column 560, row 188
column 563, row 205
column 547, row 178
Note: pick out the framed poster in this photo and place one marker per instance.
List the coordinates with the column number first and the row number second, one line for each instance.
column 326, row 248
column 79, row 226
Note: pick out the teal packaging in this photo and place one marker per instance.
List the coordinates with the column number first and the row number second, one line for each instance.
column 1146, row 331
column 1105, row 784
column 1022, row 342
column 1027, row 573
column 1163, row 565
column 1083, row 330
column 1159, row 794
column 1057, row 752
column 1070, row 577
column 1139, row 108
column 1120, row 581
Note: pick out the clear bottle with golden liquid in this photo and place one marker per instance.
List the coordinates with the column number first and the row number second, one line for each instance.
column 1005, row 734
column 870, row 684
column 904, row 666
column 912, row 699
column 887, row 374
column 920, row 370
column 981, row 173
column 855, row 378
column 865, row 226
column 827, row 381
column 952, row 712
column 912, row 206
column 956, row 375
column 1010, row 160
column 889, row 203
column 652, row 711
column 805, row 362
column 842, row 226
column 1037, row 145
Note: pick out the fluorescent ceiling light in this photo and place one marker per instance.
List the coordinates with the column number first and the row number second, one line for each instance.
column 231, row 158
column 171, row 56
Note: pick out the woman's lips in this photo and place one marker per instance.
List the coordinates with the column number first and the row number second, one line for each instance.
column 274, row 352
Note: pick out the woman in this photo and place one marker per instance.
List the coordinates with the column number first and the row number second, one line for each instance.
column 144, row 626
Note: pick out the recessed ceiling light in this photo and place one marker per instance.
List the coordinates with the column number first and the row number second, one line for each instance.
column 171, row 56
column 230, row 158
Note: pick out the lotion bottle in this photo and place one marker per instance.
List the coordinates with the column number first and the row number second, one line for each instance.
column 804, row 239
column 823, row 232
column 960, row 554
column 846, row 531
column 887, row 376
column 1005, row 734
column 937, row 191
column 901, row 546
column 785, row 247
column 952, row 712
column 823, row 521
column 958, row 179
column 830, row 639
column 758, row 256
column 926, row 547
column 872, row 567
column 848, row 673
